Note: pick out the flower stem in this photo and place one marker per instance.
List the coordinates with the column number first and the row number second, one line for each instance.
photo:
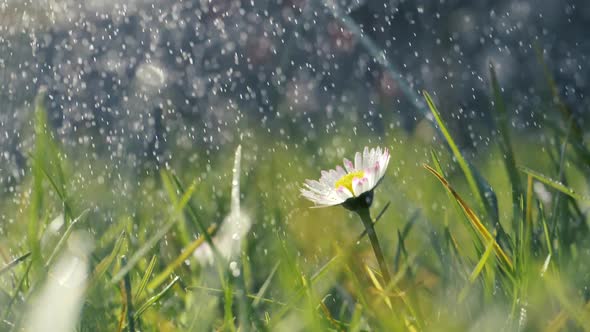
column 365, row 216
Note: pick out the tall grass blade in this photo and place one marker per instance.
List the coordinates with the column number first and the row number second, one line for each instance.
column 554, row 184
column 456, row 153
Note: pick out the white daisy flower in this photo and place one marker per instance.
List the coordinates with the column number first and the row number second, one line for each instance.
column 346, row 185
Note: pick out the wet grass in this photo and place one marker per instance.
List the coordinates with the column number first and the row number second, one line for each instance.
column 494, row 242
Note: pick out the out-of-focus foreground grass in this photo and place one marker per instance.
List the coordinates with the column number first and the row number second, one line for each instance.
column 495, row 240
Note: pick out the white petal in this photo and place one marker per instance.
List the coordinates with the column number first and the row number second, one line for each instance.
column 365, row 163
column 344, row 193
column 324, row 196
column 357, row 186
column 371, row 177
column 328, row 199
column 358, row 161
column 331, row 176
column 365, row 184
column 348, row 165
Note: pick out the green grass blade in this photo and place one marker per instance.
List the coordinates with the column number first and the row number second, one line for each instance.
column 64, row 238
column 265, row 285
column 554, row 184
column 477, row 270
column 546, row 233
column 480, row 265
column 146, row 276
column 456, row 205
column 148, row 303
column 455, row 149
column 102, row 267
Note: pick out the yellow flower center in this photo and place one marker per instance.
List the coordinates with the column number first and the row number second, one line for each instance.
column 346, row 180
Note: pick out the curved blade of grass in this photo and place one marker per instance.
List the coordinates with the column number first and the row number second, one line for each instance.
column 64, row 238
column 154, row 298
column 529, row 203
column 460, row 159
column 145, row 278
column 102, row 267
column 46, row 156
column 554, row 184
column 477, row 270
column 457, row 206
column 475, row 222
column 546, row 232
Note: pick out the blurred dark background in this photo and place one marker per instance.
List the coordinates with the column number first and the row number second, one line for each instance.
column 134, row 81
